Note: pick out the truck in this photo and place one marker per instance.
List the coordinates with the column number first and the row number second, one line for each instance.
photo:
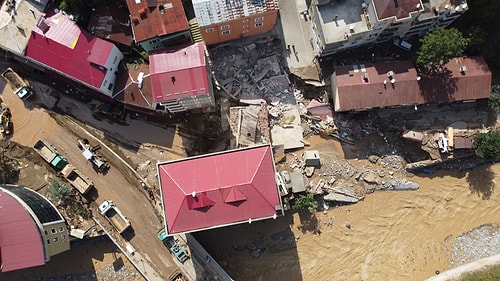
column 20, row 86
column 50, row 154
column 173, row 245
column 89, row 153
column 79, row 181
column 114, row 216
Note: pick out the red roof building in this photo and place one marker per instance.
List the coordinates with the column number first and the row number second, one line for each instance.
column 59, row 44
column 397, row 83
column 157, row 24
column 398, row 9
column 180, row 78
column 219, row 189
column 31, row 229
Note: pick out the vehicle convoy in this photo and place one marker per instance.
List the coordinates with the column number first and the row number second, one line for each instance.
column 20, row 86
column 114, row 216
column 82, row 183
column 173, row 245
column 50, row 154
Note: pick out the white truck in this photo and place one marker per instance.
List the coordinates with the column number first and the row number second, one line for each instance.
column 114, row 216
column 20, row 86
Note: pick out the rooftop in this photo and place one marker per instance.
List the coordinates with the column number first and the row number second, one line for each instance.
column 210, row 12
column 15, row 27
column 20, row 242
column 112, row 24
column 362, row 86
column 341, row 18
column 215, row 190
column 127, row 88
column 399, row 9
column 156, row 18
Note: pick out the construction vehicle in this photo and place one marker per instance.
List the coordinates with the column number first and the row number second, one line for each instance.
column 114, row 216
column 50, row 154
column 20, row 86
column 109, row 110
column 89, row 152
column 80, row 182
column 173, row 245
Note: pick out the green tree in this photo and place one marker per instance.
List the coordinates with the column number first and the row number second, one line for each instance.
column 304, row 202
column 487, row 145
column 494, row 99
column 58, row 190
column 440, row 45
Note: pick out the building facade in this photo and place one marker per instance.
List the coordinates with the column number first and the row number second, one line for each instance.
column 342, row 25
column 221, row 20
column 31, row 229
column 158, row 24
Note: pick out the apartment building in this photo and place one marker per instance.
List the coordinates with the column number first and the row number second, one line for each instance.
column 221, row 20
column 339, row 25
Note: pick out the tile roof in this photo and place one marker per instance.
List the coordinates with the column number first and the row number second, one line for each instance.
column 111, row 23
column 355, row 93
column 210, row 12
column 396, row 8
column 150, row 18
column 127, row 90
column 219, row 189
column 66, row 48
column 179, row 72
column 20, row 241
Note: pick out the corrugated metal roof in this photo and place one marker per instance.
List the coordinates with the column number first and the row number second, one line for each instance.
column 20, row 241
column 355, row 92
column 127, row 90
column 99, row 53
column 179, row 72
column 219, row 189
column 112, row 24
column 396, row 8
column 210, row 12
column 68, row 53
column 151, row 19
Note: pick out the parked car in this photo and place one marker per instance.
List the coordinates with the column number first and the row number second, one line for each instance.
column 443, row 143
column 7, row 128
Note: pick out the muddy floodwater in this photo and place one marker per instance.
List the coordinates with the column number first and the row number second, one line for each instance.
column 402, row 235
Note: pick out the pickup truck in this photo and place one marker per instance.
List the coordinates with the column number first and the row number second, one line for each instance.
column 114, row 216
column 20, row 86
column 50, row 154
column 173, row 245
column 82, row 183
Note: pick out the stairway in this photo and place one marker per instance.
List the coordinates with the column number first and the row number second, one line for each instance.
column 195, row 31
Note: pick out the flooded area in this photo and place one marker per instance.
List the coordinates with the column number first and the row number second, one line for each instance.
column 390, row 235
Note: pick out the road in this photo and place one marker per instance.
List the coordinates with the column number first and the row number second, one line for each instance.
column 118, row 184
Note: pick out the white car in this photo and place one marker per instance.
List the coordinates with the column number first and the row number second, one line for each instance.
column 443, row 143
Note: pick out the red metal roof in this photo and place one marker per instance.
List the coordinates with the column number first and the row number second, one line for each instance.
column 151, row 19
column 219, row 189
column 179, row 72
column 100, row 52
column 396, row 8
column 67, row 48
column 356, row 93
column 20, row 241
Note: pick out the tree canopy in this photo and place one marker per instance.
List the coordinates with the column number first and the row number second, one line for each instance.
column 487, row 145
column 440, row 45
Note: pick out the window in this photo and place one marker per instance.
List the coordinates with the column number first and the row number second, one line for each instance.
column 259, row 24
column 56, row 239
column 48, row 241
column 260, row 19
column 226, row 32
column 46, row 232
column 53, row 230
column 225, row 27
column 245, row 20
column 110, row 87
column 211, row 29
column 245, row 26
column 63, row 237
column 61, row 229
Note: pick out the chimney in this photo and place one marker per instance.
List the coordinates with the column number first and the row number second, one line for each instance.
column 463, row 69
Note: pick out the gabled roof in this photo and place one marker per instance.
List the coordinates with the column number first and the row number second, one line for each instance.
column 156, row 18
column 396, row 8
column 219, row 189
column 20, row 241
column 179, row 72
column 127, row 90
column 355, row 93
column 59, row 43
column 210, row 12
column 111, row 23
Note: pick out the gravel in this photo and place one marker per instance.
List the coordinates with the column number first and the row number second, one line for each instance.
column 478, row 243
